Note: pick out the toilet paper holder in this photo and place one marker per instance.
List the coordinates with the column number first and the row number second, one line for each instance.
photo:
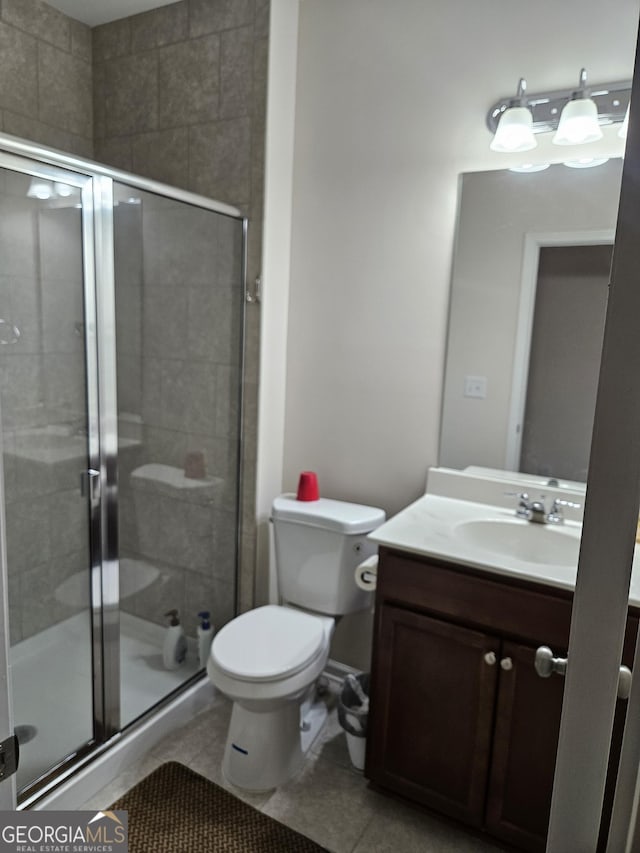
column 366, row 574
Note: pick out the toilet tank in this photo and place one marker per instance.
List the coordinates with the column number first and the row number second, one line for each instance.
column 318, row 545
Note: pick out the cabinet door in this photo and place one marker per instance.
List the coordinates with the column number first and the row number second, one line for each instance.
column 524, row 754
column 432, row 711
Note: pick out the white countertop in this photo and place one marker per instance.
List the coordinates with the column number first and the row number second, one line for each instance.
column 434, row 526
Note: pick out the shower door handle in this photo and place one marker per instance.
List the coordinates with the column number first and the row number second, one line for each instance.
column 90, row 484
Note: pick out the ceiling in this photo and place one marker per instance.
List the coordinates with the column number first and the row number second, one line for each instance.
column 94, row 12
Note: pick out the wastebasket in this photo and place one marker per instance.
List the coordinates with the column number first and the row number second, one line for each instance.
column 353, row 713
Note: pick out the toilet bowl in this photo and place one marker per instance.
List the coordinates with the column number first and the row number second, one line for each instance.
column 267, row 662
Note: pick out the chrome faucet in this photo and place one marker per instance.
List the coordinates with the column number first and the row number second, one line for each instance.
column 556, row 516
column 536, row 512
column 531, row 510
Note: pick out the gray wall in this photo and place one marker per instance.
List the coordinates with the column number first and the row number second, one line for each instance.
column 564, row 360
column 45, row 79
column 179, row 96
column 42, row 385
column 177, row 329
column 45, row 96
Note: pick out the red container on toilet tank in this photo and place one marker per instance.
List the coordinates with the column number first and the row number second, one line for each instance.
column 308, row 486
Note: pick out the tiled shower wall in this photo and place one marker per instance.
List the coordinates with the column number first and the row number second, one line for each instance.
column 178, row 308
column 45, row 76
column 42, row 384
column 180, row 97
column 177, row 94
column 45, row 96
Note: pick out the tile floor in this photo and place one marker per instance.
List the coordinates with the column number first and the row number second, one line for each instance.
column 328, row 800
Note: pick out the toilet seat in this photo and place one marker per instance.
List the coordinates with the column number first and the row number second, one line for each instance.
column 268, row 644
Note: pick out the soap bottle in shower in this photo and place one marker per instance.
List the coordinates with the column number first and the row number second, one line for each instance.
column 205, row 637
column 174, row 649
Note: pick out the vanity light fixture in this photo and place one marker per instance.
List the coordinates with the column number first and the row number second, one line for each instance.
column 62, row 190
column 514, row 131
column 579, row 119
column 39, row 188
column 42, row 189
column 576, row 114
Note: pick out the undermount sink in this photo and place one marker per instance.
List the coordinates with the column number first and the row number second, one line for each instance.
column 523, row 540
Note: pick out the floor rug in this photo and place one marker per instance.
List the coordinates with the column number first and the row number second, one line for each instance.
column 175, row 810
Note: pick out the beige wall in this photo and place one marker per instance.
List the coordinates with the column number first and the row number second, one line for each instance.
column 390, row 109
column 278, row 185
column 386, row 120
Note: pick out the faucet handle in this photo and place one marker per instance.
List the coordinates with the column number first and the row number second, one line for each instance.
column 522, row 495
column 561, row 502
column 523, row 509
column 556, row 510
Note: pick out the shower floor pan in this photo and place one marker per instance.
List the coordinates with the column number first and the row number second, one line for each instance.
column 52, row 686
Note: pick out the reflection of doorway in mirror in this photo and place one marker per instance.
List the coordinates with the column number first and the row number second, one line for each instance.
column 504, row 218
column 563, row 360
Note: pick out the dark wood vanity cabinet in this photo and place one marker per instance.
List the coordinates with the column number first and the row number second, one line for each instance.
column 527, row 726
column 430, row 678
column 460, row 721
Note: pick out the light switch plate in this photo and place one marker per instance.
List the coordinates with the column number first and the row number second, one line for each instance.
column 475, row 386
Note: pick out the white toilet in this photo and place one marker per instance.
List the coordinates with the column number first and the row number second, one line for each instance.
column 268, row 659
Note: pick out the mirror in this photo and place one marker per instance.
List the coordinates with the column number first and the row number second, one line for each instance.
column 524, row 334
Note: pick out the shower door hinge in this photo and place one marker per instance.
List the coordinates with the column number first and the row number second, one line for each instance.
column 256, row 296
column 9, row 757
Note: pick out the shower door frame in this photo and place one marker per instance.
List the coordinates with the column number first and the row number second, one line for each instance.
column 7, row 786
column 93, row 229
column 97, row 184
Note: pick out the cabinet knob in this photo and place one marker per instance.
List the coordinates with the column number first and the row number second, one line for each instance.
column 506, row 663
column 490, row 658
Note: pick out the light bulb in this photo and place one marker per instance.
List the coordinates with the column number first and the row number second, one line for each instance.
column 39, row 189
column 514, row 132
column 579, row 118
column 62, row 190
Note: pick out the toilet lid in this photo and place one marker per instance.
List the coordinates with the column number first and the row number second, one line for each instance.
column 267, row 643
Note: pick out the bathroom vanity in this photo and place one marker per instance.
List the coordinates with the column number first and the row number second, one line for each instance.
column 460, row 720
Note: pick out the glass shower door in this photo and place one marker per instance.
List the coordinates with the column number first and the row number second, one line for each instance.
column 179, row 308
column 121, row 324
column 46, row 454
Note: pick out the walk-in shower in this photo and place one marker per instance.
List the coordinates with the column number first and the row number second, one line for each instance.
column 121, row 320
